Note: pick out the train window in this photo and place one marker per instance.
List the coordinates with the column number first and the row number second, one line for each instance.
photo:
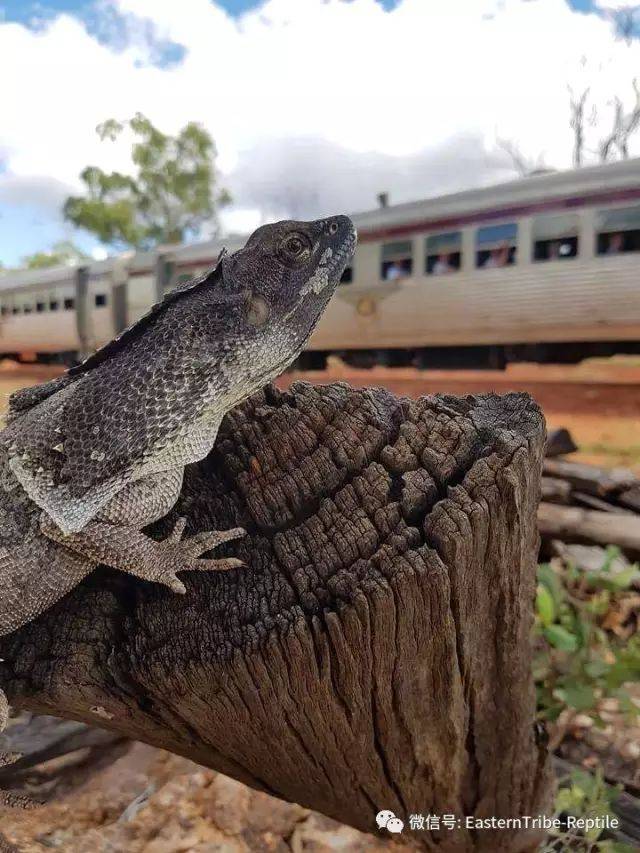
column 347, row 276
column 69, row 304
column 27, row 309
column 397, row 260
column 15, row 309
column 443, row 253
column 555, row 238
column 101, row 300
column 4, row 310
column 54, row 305
column 40, row 307
column 496, row 245
column 618, row 231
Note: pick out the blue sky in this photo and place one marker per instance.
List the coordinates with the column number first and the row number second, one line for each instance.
column 19, row 10
column 424, row 120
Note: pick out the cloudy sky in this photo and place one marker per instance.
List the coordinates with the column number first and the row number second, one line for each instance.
column 315, row 105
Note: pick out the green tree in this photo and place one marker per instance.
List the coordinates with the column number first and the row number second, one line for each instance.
column 62, row 252
column 170, row 195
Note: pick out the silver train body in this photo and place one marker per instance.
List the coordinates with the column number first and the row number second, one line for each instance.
column 544, row 268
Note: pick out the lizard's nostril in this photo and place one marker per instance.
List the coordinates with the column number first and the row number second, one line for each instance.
column 333, row 228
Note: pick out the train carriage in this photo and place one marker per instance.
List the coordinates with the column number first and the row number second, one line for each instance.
column 543, row 268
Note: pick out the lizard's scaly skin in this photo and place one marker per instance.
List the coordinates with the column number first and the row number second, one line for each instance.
column 89, row 459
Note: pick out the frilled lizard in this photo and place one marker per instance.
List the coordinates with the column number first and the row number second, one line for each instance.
column 90, row 458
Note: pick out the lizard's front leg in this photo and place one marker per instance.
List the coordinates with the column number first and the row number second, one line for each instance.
column 114, row 537
column 129, row 550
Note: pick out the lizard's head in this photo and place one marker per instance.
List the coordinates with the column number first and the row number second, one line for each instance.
column 289, row 271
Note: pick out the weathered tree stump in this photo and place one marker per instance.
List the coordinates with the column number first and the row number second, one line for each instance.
column 376, row 651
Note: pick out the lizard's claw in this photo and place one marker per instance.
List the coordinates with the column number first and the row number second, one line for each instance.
column 178, row 555
column 203, row 542
column 178, row 530
column 174, row 583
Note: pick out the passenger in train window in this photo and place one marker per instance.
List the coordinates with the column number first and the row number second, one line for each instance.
column 54, row 305
column 15, row 309
column 444, row 264
column 394, row 270
column 555, row 250
column 443, row 252
column 615, row 244
column 40, row 307
column 69, row 304
column 499, row 257
column 496, row 245
column 618, row 242
column 396, row 260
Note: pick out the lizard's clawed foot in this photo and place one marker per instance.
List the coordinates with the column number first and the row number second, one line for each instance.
column 178, row 555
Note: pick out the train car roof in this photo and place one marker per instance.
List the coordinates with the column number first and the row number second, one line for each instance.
column 547, row 186
column 577, row 185
column 37, row 277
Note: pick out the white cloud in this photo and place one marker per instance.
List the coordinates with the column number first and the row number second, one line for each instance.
column 331, row 100
column 303, row 176
column 615, row 5
column 41, row 192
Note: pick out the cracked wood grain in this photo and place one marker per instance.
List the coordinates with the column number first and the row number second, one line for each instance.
column 374, row 654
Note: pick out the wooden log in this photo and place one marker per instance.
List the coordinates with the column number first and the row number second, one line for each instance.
column 555, row 490
column 630, row 498
column 42, row 738
column 589, row 558
column 591, row 478
column 594, row 502
column 376, row 651
column 573, row 524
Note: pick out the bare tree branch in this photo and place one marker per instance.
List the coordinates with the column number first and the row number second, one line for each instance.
column 522, row 164
column 577, row 106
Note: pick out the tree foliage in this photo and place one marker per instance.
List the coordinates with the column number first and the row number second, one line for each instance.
column 171, row 193
column 62, row 252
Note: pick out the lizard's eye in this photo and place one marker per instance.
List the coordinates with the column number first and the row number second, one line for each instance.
column 295, row 248
column 258, row 311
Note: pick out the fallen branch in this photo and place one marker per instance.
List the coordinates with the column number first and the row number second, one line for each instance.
column 556, row 491
column 572, row 524
column 602, row 482
column 42, row 738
